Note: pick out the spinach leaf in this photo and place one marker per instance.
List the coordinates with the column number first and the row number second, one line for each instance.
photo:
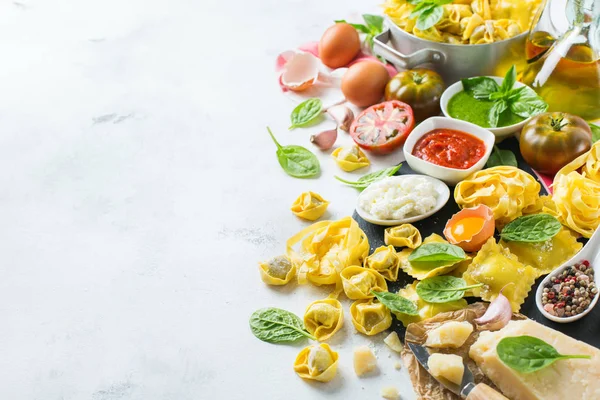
column 296, row 161
column 501, row 157
column 306, row 112
column 396, row 303
column 367, row 179
column 429, row 252
column 480, row 88
column 531, row 228
column 443, row 289
column 527, row 354
column 595, row 132
column 275, row 325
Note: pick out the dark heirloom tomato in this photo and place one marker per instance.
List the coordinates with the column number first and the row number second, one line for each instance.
column 383, row 127
column 419, row 87
column 550, row 141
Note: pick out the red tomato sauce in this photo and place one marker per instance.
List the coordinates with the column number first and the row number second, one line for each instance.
column 449, row 148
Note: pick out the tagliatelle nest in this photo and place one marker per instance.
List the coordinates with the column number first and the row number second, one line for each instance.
column 577, row 201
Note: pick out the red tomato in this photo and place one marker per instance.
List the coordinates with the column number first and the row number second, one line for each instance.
column 384, row 127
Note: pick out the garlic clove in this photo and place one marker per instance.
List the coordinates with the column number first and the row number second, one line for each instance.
column 497, row 315
column 301, row 72
column 324, row 140
column 342, row 115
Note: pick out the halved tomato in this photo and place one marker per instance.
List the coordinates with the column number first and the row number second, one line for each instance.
column 384, row 127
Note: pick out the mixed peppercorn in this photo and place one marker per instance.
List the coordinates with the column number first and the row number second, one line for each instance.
column 571, row 291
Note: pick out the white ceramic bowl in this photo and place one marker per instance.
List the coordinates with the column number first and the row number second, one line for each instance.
column 449, row 175
column 443, row 194
column 500, row 133
column 590, row 252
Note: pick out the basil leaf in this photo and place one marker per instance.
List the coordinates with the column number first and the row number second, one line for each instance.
column 306, row 112
column 296, row 161
column 429, row 17
column 509, row 80
column 437, row 252
column 420, row 8
column 501, row 157
column 396, row 303
column 497, row 109
column 275, row 325
column 374, row 23
column 359, row 27
column 531, row 228
column 480, row 88
column 528, row 103
column 443, row 289
column 367, row 179
column 595, row 132
column 527, row 354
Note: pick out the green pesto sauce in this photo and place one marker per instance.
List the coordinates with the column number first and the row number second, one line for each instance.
column 463, row 106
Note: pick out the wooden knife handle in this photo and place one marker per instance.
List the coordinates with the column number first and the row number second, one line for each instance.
column 484, row 392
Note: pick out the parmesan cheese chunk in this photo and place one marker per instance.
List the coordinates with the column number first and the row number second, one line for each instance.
column 564, row 379
column 447, row 366
column 393, row 342
column 390, row 393
column 450, row 334
column 364, row 360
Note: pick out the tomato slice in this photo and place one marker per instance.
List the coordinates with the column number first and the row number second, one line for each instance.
column 384, row 127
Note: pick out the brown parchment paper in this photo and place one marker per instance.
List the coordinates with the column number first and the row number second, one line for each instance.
column 426, row 387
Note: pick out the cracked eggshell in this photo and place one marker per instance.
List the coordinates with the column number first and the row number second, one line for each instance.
column 300, row 72
column 480, row 237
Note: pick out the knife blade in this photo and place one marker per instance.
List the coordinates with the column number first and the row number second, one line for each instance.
column 467, row 388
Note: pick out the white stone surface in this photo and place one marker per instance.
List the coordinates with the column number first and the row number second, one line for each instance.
column 139, row 189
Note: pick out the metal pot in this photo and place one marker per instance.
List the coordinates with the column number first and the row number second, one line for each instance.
column 452, row 61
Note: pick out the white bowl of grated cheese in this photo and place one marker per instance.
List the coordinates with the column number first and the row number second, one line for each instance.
column 402, row 199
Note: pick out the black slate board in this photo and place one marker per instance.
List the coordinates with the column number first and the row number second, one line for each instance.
column 586, row 329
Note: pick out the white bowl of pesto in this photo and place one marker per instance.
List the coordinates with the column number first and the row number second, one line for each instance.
column 456, row 103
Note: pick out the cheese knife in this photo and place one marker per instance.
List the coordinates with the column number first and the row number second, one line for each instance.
column 468, row 389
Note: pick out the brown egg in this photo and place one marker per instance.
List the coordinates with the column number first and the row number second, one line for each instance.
column 364, row 83
column 339, row 45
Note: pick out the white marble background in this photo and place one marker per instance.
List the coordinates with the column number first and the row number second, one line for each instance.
column 139, row 189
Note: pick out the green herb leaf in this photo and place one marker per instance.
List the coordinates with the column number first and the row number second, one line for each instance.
column 531, row 228
column 481, row 87
column 509, row 80
column 444, row 252
column 528, row 103
column 497, row 109
column 527, row 354
column 275, row 325
column 443, row 289
column 296, row 161
column 396, row 303
column 367, row 179
column 374, row 22
column 501, row 157
column 359, row 27
column 429, row 17
column 595, row 132
column 306, row 112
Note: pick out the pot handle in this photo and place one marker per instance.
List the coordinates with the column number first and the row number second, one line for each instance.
column 381, row 48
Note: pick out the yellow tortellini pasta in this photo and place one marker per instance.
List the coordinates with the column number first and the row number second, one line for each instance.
column 277, row 271
column 322, row 250
column 350, row 158
column 358, row 282
column 497, row 268
column 548, row 255
column 323, row 318
column 310, row 206
column 509, row 191
column 385, row 261
column 424, row 270
column 426, row 310
column 370, row 316
column 577, row 201
column 317, row 362
column 405, row 235
column 468, row 21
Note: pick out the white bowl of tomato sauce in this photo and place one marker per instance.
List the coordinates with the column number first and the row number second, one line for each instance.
column 448, row 149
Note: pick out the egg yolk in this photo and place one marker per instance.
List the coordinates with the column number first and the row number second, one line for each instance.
column 466, row 228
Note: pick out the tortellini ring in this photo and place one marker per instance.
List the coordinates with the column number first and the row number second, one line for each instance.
column 318, row 363
column 350, row 158
column 310, row 206
column 405, row 235
column 370, row 316
column 385, row 261
column 323, row 318
column 358, row 282
column 277, row 271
